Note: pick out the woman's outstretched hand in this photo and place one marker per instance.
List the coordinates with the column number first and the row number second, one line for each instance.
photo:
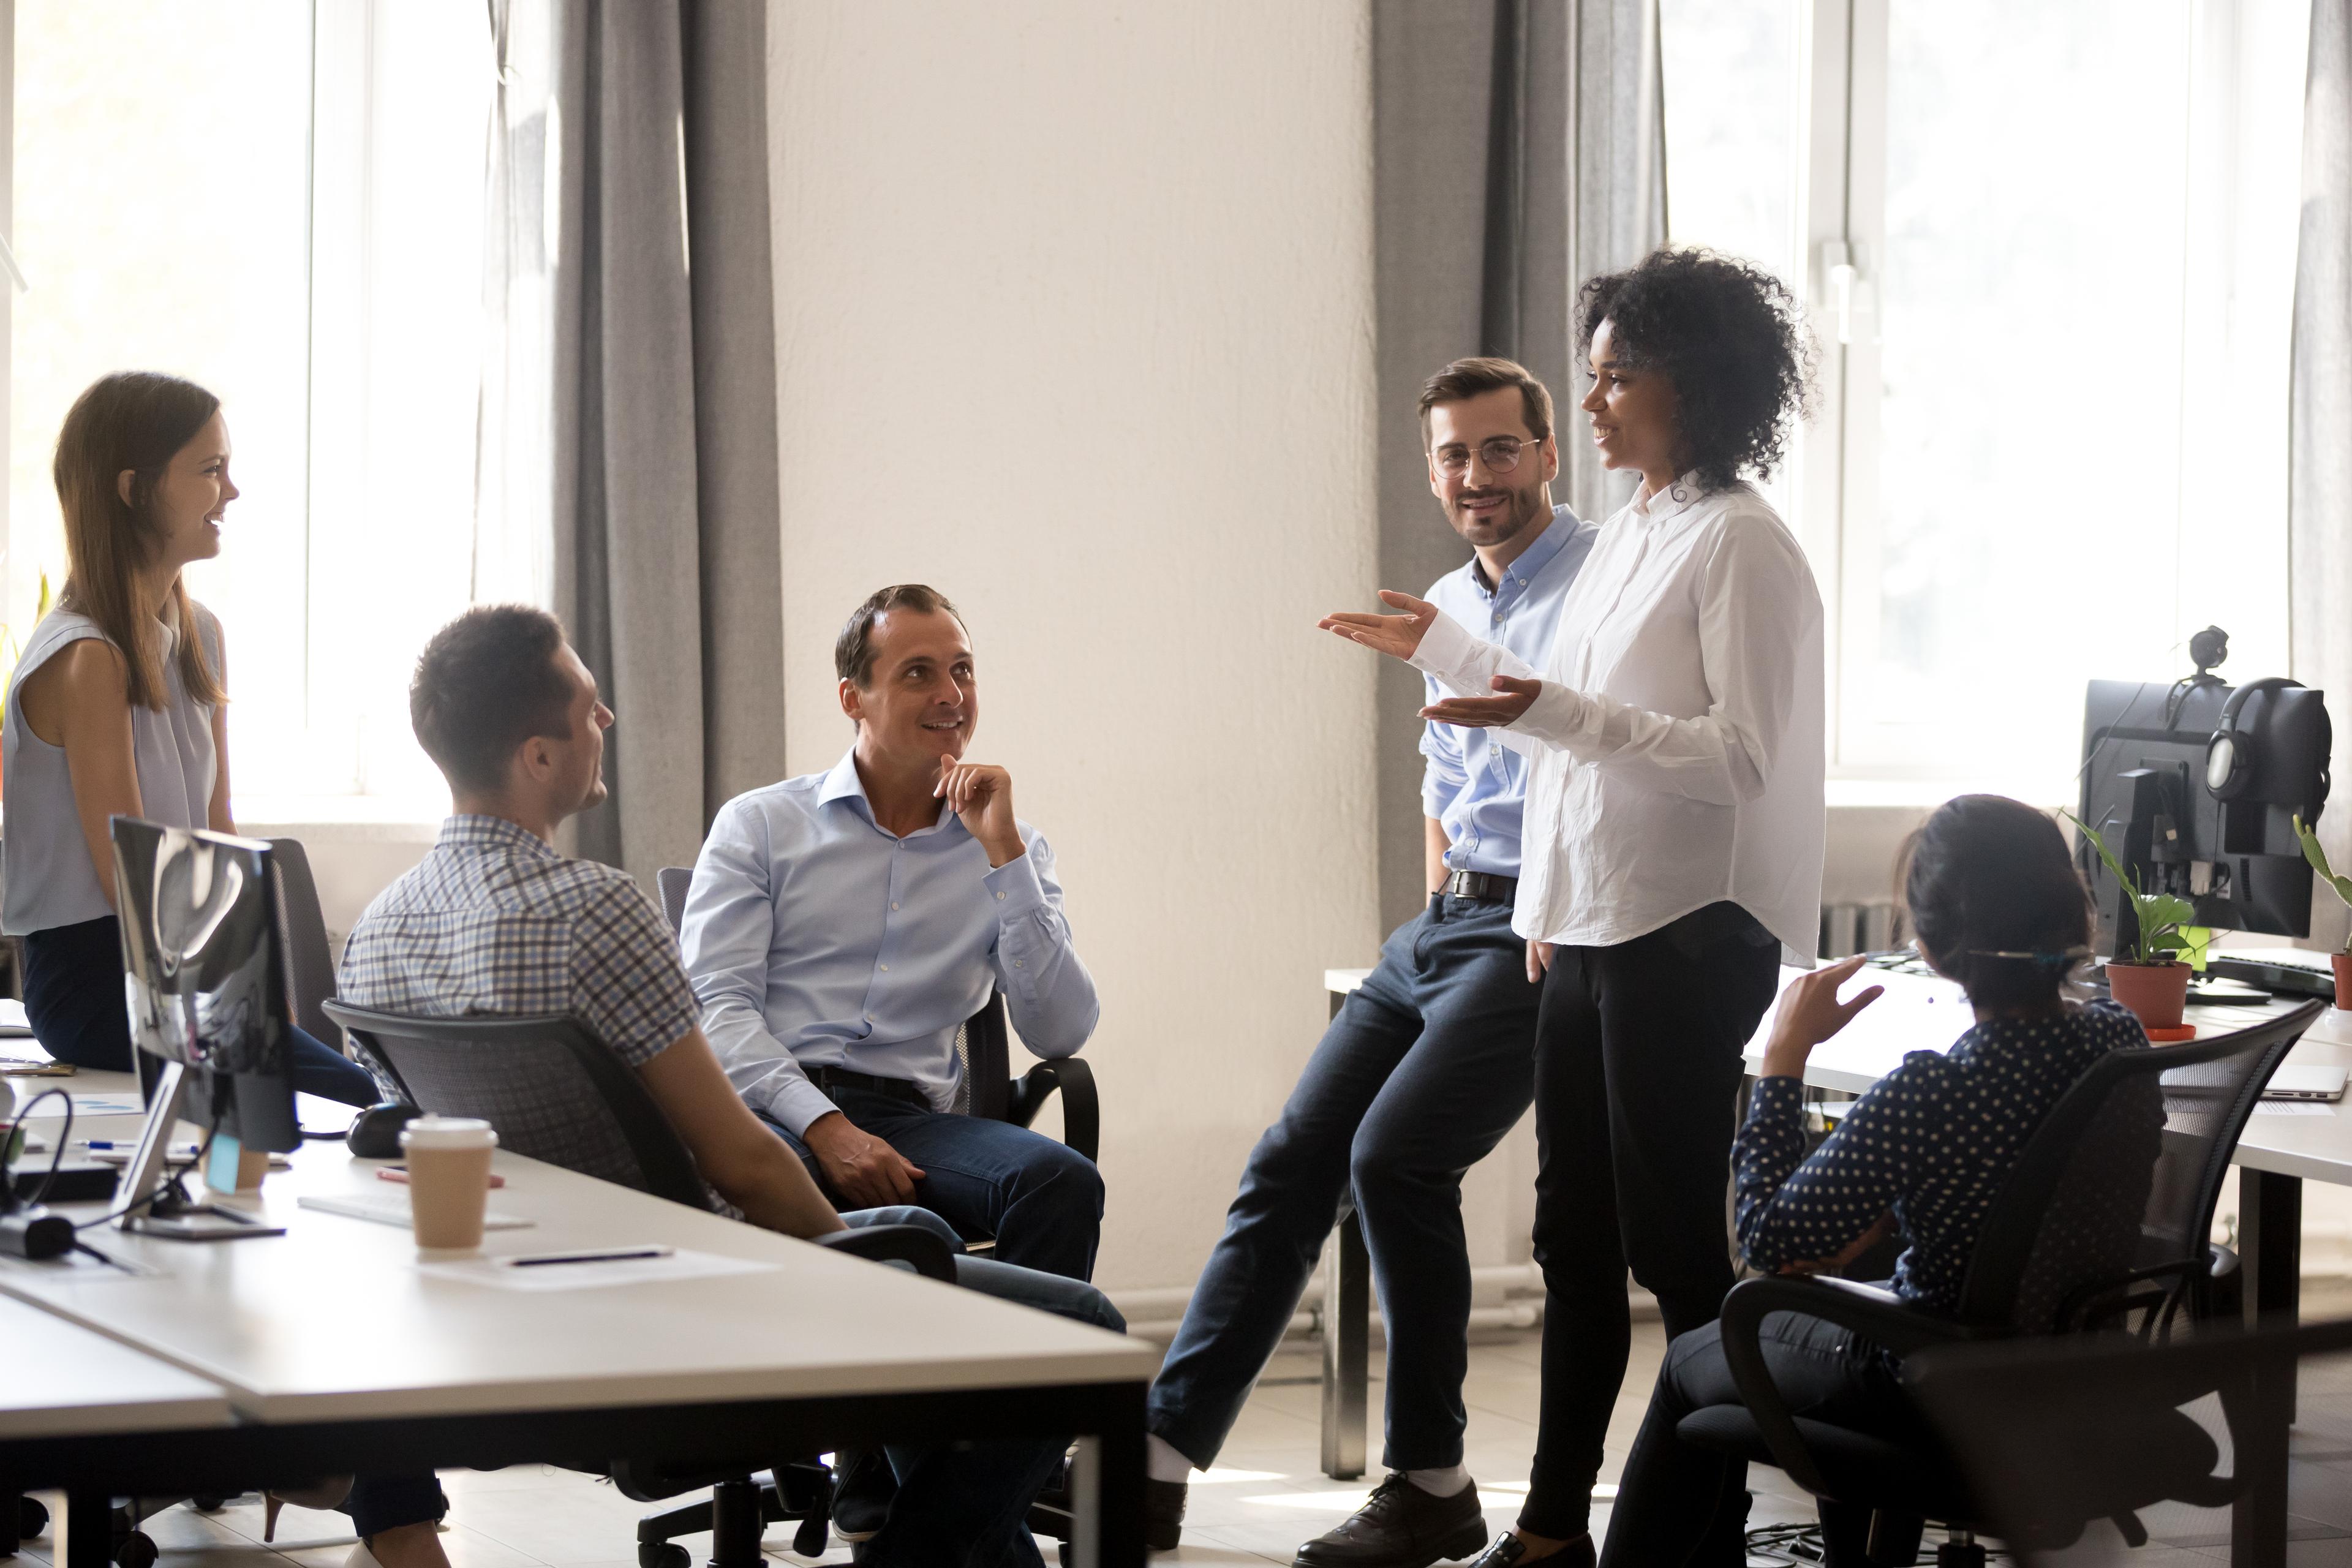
column 1809, row 1012
column 1396, row 636
column 1514, row 697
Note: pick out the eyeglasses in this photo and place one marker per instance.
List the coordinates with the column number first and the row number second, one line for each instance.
column 1501, row 453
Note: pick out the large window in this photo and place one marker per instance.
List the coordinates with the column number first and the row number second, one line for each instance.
column 2049, row 251
column 282, row 201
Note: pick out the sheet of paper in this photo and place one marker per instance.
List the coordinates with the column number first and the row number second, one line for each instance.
column 14, row 1024
column 2295, row 1108
column 84, row 1105
column 682, row 1264
column 391, row 1208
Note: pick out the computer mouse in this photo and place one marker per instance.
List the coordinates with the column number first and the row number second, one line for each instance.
column 375, row 1132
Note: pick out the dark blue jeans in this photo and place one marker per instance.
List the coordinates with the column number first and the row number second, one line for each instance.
column 379, row 1503
column 967, row 1502
column 1041, row 1201
column 1685, row 1506
column 1421, row 1075
column 73, row 998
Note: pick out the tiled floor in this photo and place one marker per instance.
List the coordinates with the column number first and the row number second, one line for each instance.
column 1266, row 1496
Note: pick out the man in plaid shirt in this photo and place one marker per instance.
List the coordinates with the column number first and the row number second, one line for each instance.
column 496, row 921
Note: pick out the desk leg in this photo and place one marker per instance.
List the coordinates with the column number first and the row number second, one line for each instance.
column 88, row 1527
column 1347, row 1350
column 1106, row 1492
column 2270, row 1250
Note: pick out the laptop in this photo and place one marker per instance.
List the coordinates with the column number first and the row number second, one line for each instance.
column 2305, row 1083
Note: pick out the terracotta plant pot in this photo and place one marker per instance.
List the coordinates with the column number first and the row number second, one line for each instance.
column 2155, row 992
column 2343, row 962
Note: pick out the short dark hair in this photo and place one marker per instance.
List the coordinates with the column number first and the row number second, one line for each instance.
column 1731, row 338
column 1988, row 875
column 853, row 650
column 485, row 684
column 1466, row 378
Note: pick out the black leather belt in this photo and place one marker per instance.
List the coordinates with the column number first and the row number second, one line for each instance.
column 1480, row 886
column 829, row 1078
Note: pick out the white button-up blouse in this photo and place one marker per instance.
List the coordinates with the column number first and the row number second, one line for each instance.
column 1678, row 745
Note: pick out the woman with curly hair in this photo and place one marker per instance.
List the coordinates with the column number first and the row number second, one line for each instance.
column 1673, row 829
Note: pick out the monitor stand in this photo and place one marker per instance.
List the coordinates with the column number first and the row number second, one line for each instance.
column 180, row 1219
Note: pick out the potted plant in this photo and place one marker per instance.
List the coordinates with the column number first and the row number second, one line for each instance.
column 2343, row 889
column 2151, row 981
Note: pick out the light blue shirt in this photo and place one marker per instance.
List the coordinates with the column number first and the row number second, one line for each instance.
column 1476, row 788
column 816, row 938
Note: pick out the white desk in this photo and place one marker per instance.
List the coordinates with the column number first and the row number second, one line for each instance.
column 66, row 1382
column 2274, row 1157
column 340, row 1354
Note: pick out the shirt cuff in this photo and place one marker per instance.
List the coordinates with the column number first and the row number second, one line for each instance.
column 1443, row 648
column 796, row 1103
column 1775, row 1098
column 1014, row 887
column 1558, row 715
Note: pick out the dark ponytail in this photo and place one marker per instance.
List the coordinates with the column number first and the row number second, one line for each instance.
column 1994, row 900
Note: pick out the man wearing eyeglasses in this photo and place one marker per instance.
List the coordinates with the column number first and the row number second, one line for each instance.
column 1426, row 1067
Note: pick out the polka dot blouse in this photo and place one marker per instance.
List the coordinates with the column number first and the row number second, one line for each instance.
column 1932, row 1141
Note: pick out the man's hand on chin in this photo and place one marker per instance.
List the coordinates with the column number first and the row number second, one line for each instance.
column 866, row 1172
column 982, row 797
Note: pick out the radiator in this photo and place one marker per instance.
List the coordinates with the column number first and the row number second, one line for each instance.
column 1848, row 929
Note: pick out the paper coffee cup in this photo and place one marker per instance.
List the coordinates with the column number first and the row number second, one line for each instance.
column 449, row 1179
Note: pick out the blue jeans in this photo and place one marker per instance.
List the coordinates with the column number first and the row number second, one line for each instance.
column 379, row 1503
column 966, row 1503
column 1041, row 1200
column 1421, row 1075
column 73, row 998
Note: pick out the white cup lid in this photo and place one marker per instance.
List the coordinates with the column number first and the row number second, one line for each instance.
column 448, row 1132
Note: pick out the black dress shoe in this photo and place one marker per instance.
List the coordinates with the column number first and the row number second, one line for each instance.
column 862, row 1492
column 1164, row 1514
column 1509, row 1548
column 1401, row 1526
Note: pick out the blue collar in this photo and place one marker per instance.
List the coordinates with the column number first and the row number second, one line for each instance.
column 843, row 784
column 1534, row 558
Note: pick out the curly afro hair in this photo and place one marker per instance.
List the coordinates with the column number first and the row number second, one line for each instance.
column 1729, row 336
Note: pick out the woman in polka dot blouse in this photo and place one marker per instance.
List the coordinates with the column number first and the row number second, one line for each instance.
column 1996, row 904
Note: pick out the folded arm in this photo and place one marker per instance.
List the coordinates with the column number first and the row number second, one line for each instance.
column 1792, row 1209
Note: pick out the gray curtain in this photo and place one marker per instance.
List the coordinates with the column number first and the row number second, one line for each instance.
column 1519, row 148
column 666, row 540
column 2320, row 486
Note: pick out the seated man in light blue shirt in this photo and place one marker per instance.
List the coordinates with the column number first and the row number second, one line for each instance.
column 842, row 925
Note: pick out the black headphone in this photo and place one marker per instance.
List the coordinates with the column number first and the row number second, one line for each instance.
column 2230, row 755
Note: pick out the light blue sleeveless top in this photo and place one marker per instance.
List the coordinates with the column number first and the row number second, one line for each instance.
column 49, row 880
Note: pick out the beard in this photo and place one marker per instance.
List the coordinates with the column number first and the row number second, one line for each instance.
column 1521, row 509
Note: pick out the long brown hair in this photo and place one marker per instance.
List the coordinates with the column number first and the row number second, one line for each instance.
column 136, row 420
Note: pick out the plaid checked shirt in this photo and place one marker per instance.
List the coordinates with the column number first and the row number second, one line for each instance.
column 494, row 920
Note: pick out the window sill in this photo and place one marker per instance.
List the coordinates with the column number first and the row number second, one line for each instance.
column 348, row 819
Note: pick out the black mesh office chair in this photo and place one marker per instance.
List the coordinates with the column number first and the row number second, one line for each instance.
column 2092, row 1451
column 2102, row 1221
column 556, row 1093
column 983, row 1049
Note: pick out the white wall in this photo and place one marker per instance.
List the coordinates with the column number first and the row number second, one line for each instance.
column 1075, row 309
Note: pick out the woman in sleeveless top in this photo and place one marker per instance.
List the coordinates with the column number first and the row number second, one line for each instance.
column 117, row 707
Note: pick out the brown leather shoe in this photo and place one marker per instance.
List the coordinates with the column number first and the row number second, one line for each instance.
column 1401, row 1526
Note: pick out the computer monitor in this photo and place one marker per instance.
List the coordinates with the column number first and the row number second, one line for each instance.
column 2144, row 788
column 204, row 975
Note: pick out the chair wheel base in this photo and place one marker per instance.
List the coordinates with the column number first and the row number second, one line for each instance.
column 136, row 1549
column 663, row 1555
column 32, row 1518
column 1960, row 1554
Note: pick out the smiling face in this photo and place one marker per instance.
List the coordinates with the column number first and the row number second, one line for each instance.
column 921, row 701
column 1485, row 507
column 190, row 499
column 1633, row 411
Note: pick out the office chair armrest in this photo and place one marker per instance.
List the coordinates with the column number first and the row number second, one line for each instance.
column 1081, row 1109
column 908, row 1243
column 1879, row 1316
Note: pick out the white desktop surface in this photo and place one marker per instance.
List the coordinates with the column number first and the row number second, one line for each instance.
column 334, row 1320
column 1923, row 1013
column 63, row 1381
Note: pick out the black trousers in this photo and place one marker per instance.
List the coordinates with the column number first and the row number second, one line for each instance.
column 1684, row 1507
column 1638, row 1053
